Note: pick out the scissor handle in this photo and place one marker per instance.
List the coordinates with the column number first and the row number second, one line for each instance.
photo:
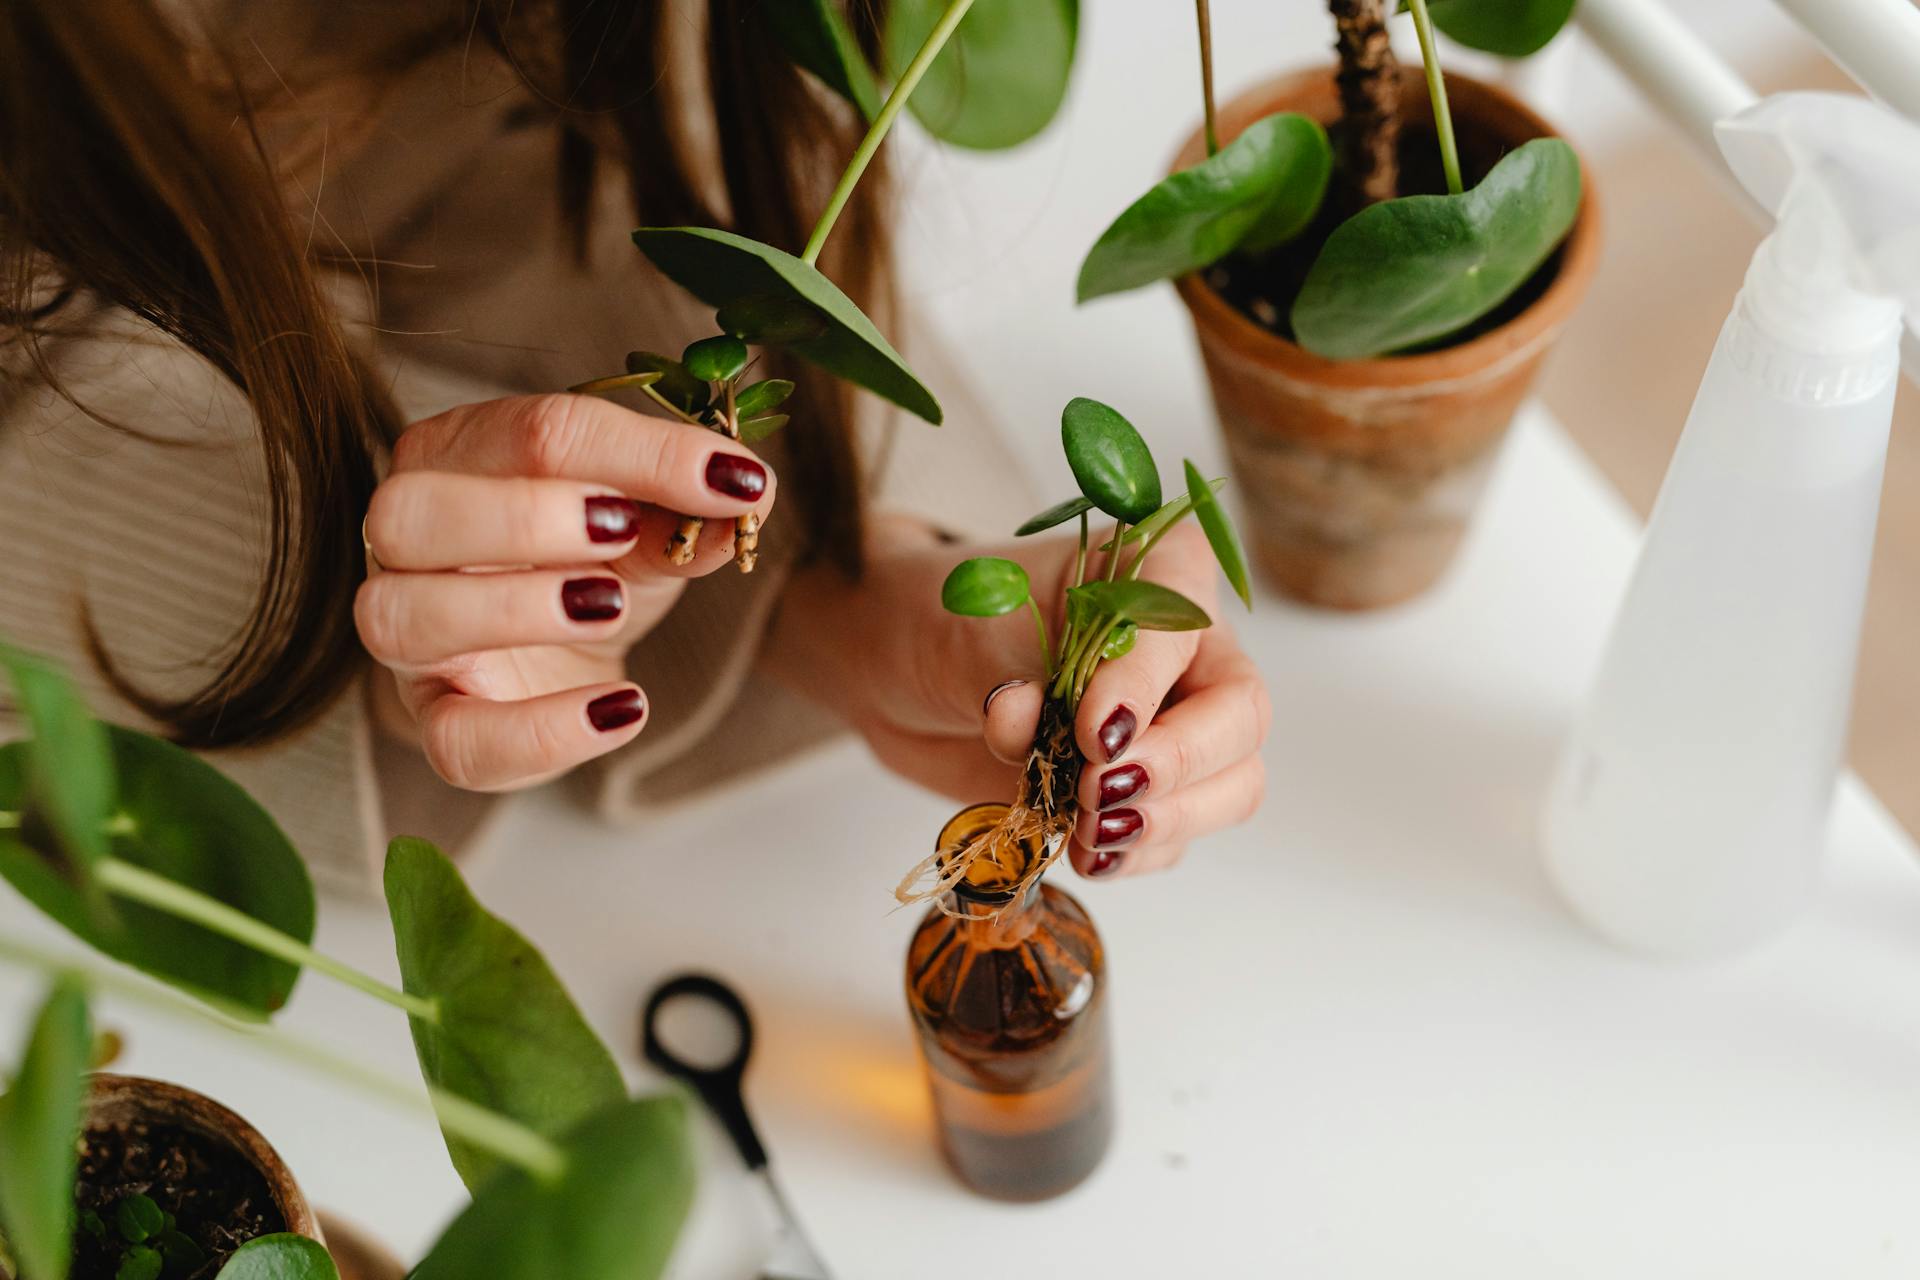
column 719, row 1087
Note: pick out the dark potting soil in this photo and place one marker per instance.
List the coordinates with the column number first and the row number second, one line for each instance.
column 218, row 1200
column 1263, row 288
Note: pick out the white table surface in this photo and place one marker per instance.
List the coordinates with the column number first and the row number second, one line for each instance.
column 1358, row 1037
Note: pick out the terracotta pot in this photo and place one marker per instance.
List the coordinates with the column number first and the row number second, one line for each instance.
column 1360, row 476
column 124, row 1099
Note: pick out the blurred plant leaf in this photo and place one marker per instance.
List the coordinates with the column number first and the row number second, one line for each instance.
column 772, row 320
column 282, row 1256
column 715, row 359
column 761, row 397
column 508, row 1036
column 1058, row 513
column 1148, row 604
column 815, row 34
column 1001, row 78
column 181, row 818
column 1258, row 191
column 40, row 1119
column 676, row 385
column 1510, row 28
column 1111, row 463
column 755, row 429
column 1218, row 527
column 1119, row 641
column 721, row 268
column 985, row 587
column 1406, row 272
column 69, row 771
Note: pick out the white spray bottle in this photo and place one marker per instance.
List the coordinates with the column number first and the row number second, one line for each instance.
column 1688, row 814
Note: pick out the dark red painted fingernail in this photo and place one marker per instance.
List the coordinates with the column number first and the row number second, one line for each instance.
column 1104, row 862
column 1117, row 829
column 592, row 599
column 616, row 710
column 612, row 519
column 1117, row 786
column 737, row 477
column 1117, row 733
column 996, row 691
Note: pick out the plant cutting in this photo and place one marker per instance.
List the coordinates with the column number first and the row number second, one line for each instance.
column 1000, row 83
column 155, row 859
column 1104, row 607
column 1376, row 261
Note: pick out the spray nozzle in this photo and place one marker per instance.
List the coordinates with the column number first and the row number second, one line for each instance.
column 1841, row 175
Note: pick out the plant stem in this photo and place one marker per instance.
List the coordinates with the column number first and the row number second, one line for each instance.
column 1437, row 90
column 1139, row 558
column 1040, row 625
column 1080, row 556
column 498, row 1134
column 1206, row 72
column 1113, row 557
column 1069, row 668
column 877, row 131
column 1091, row 658
column 672, row 408
column 176, row 899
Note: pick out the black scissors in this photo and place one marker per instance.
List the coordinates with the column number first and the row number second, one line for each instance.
column 794, row 1257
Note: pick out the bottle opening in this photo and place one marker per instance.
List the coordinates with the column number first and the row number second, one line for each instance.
column 995, row 875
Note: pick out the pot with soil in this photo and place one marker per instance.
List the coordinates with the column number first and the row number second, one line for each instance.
column 1360, row 476
column 171, row 1183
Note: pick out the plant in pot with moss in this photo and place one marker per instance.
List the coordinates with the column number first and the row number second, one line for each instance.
column 157, row 861
column 1376, row 260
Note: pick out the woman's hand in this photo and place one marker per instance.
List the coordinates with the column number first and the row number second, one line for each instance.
column 1171, row 732
column 520, row 550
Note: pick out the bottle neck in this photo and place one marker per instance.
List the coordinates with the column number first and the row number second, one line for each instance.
column 992, row 922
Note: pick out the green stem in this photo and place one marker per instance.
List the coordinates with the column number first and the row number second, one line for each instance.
column 498, row 1134
column 1140, row 556
column 1091, row 659
column 1119, row 545
column 1080, row 556
column 176, row 899
column 877, row 131
column 672, row 408
column 1069, row 669
column 1040, row 625
column 1437, row 90
column 1206, row 73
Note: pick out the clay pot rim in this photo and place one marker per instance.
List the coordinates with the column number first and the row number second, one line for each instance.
column 1485, row 357
column 162, row 1102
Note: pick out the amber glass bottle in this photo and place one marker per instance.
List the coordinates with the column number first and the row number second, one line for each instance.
column 1009, row 998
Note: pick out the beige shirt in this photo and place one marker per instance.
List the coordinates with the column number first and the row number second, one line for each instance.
column 466, row 291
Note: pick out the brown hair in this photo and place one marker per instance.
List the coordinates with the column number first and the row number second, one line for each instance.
column 124, row 181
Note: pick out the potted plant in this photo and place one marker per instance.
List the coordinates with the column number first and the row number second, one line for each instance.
column 1376, row 260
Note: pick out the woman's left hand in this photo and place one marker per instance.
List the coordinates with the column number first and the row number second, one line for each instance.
column 1171, row 732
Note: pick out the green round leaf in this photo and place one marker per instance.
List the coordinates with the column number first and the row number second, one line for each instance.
column 70, row 766
column 1218, row 527
column 139, row 1218
column 814, row 33
column 1258, row 191
column 761, row 397
column 1002, row 76
column 282, row 1256
column 715, row 359
column 1111, row 463
column 179, row 817
column 755, row 429
column 1510, row 28
column 676, row 384
column 142, row 1263
column 1058, row 513
column 40, row 1118
column 985, row 587
column 1150, row 605
column 772, row 320
column 721, row 268
column 1411, row 271
column 1119, row 641
column 508, row 1036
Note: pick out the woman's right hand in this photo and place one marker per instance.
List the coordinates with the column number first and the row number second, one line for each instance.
column 520, row 549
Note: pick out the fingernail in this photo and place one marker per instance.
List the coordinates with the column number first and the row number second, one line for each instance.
column 987, row 706
column 616, row 710
column 1116, row 829
column 592, row 599
column 1117, row 786
column 612, row 519
column 1117, row 732
column 1105, row 862
column 737, row 477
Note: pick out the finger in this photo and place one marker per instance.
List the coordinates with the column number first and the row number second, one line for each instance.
column 958, row 768
column 652, row 553
column 1012, row 713
column 413, row 619
column 483, row 745
column 445, row 520
column 670, row 464
column 1223, row 717
column 1154, row 835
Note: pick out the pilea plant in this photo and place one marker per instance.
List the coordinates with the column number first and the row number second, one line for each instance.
column 1000, row 83
column 1106, row 605
column 1394, row 272
column 157, row 860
